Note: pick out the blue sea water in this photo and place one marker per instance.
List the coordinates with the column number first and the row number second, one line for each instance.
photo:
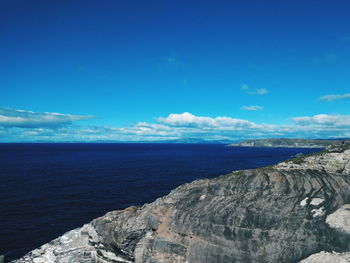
column 48, row 189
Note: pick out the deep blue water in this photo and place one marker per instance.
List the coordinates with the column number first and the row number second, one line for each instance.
column 48, row 189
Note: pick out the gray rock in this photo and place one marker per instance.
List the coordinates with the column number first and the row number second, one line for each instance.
column 328, row 257
column 282, row 213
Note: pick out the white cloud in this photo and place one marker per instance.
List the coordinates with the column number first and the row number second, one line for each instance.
column 252, row 108
column 333, row 97
column 18, row 125
column 145, row 129
column 324, row 120
column 317, row 126
column 30, row 119
column 189, row 120
column 251, row 91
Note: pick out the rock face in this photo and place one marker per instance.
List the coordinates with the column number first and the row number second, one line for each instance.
column 288, row 143
column 295, row 210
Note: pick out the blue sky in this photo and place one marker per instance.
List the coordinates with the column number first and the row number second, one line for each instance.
column 153, row 70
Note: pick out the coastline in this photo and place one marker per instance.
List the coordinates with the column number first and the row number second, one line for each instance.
column 281, row 207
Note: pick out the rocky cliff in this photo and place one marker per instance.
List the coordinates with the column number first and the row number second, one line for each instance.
column 295, row 210
column 288, row 143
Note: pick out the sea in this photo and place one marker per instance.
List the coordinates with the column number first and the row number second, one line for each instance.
column 49, row 189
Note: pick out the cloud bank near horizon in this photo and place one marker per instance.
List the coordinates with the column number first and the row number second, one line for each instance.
column 28, row 119
column 19, row 125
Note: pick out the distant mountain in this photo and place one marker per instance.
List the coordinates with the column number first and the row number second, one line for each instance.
column 180, row 140
column 196, row 140
column 289, row 143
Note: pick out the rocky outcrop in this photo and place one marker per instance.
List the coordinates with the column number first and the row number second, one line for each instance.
column 288, row 143
column 295, row 210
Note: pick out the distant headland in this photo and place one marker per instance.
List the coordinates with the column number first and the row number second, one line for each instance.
column 289, row 143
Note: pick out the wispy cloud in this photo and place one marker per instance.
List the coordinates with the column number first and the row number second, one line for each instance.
column 185, row 82
column 333, row 97
column 18, row 125
column 172, row 60
column 245, row 87
column 261, row 91
column 324, row 120
column 170, row 63
column 252, row 108
column 30, row 119
column 251, row 91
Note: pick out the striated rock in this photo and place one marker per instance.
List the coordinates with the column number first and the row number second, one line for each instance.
column 287, row 212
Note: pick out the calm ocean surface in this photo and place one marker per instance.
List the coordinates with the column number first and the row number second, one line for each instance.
column 48, row 189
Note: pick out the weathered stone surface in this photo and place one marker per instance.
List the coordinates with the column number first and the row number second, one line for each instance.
column 327, row 257
column 340, row 219
column 280, row 213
